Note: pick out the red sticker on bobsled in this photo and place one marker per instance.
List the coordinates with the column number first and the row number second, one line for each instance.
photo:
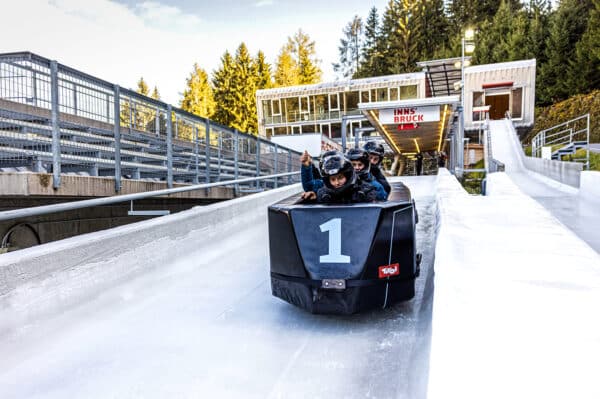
column 389, row 270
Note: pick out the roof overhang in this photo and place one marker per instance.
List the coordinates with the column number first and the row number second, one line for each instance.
column 412, row 138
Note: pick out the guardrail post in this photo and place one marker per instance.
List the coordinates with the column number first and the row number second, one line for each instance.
column 587, row 148
column 157, row 122
column 117, row 133
column 276, row 161
column 289, row 165
column 196, row 154
column 74, row 98
column 257, row 162
column 169, row 147
column 55, row 125
column 219, row 153
column 207, row 152
column 236, row 143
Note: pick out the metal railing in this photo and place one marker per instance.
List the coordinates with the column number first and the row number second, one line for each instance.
column 58, row 120
column 492, row 165
column 69, row 206
column 564, row 139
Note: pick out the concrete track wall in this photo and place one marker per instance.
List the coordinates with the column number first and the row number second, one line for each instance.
column 30, row 280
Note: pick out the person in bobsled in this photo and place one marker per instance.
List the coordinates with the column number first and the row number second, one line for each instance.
column 340, row 182
column 362, row 166
column 376, row 153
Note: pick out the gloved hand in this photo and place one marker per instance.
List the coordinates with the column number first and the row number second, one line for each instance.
column 326, row 197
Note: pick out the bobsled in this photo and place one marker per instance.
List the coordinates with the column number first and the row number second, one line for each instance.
column 343, row 259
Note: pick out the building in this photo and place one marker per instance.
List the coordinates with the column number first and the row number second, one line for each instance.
column 345, row 110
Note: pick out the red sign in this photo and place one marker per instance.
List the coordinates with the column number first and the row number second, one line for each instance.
column 408, row 126
column 389, row 270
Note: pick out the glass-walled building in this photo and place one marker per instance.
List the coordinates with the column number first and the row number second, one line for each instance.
column 319, row 108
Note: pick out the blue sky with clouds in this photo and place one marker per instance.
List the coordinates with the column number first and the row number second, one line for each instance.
column 121, row 40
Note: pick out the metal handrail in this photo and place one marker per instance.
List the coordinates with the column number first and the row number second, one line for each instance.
column 69, row 206
column 565, row 136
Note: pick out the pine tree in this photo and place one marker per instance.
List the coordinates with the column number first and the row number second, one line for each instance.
column 263, row 72
column 222, row 91
column 493, row 45
column 308, row 65
column 538, row 12
column 155, row 94
column 372, row 55
column 350, row 49
column 286, row 71
column 434, row 22
column 198, row 96
column 402, row 31
column 244, row 90
column 567, row 26
column 142, row 87
column 584, row 69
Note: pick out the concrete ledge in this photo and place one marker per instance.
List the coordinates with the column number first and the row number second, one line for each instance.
column 564, row 172
column 40, row 184
column 515, row 300
column 590, row 185
column 32, row 281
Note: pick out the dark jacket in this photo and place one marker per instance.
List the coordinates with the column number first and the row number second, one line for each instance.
column 381, row 195
column 309, row 183
column 360, row 192
column 378, row 175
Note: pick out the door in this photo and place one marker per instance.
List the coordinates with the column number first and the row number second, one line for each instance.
column 498, row 105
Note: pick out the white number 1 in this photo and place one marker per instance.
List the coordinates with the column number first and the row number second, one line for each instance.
column 334, row 227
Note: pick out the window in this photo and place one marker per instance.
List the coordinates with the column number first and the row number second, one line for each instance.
column 292, row 110
column 276, row 104
column 351, row 101
column 364, row 96
column 266, row 108
column 382, row 94
column 394, row 94
column 407, row 92
column 334, row 101
column 517, row 103
column 304, row 104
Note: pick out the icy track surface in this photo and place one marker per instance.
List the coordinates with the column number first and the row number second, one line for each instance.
column 207, row 326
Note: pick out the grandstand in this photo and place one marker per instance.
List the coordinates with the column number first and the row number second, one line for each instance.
column 55, row 119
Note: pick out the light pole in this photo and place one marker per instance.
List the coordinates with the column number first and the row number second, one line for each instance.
column 468, row 46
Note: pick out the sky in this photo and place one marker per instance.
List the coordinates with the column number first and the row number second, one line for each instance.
column 121, row 41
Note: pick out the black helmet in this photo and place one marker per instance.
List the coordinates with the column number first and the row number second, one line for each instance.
column 332, row 163
column 356, row 154
column 371, row 147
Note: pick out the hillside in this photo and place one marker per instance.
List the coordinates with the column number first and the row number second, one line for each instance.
column 563, row 111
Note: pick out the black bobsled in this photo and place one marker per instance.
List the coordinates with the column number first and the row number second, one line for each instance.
column 342, row 259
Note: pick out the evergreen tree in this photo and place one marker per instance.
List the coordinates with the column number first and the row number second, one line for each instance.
column 263, row 72
column 222, row 91
column 142, row 87
column 308, row 66
column 244, row 90
column 372, row 52
column 286, row 71
column 198, row 96
column 584, row 69
column 538, row 12
column 493, row 44
column 434, row 22
column 567, row 26
column 155, row 94
column 402, row 31
column 350, row 49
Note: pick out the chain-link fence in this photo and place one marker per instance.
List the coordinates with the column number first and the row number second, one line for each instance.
column 58, row 120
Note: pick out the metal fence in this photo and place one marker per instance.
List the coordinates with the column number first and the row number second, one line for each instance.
column 564, row 139
column 58, row 120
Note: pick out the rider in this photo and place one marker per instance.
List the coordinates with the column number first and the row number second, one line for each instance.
column 362, row 166
column 376, row 153
column 341, row 184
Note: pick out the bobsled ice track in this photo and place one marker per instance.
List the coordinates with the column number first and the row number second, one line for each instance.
column 205, row 325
